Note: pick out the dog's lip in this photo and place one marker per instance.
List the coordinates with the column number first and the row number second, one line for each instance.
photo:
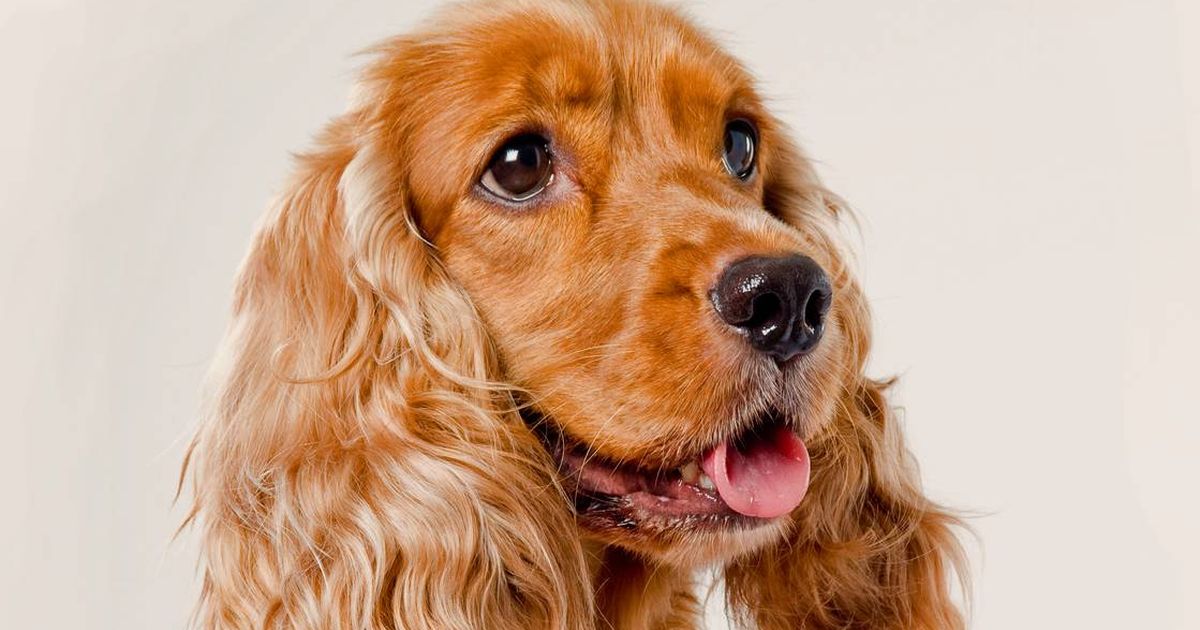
column 598, row 484
column 607, row 492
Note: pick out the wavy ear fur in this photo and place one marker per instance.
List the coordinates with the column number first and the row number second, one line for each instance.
column 360, row 466
column 868, row 550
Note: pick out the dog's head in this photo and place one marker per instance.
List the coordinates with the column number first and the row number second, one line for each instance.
column 557, row 275
column 648, row 253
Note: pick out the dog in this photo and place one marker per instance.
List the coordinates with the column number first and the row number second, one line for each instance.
column 553, row 317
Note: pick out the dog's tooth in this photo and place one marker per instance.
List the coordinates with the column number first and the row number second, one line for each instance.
column 706, row 482
column 690, row 473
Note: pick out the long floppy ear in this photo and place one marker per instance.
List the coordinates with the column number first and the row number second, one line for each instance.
column 867, row 548
column 361, row 466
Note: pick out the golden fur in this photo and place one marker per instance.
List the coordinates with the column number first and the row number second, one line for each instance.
column 364, row 462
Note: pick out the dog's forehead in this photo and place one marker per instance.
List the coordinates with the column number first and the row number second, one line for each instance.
column 624, row 56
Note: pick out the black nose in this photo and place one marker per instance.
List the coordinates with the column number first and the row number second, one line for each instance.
column 780, row 303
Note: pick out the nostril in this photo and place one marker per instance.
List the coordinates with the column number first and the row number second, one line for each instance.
column 815, row 309
column 765, row 310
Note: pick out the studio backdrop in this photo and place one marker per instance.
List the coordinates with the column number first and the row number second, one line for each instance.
column 1026, row 185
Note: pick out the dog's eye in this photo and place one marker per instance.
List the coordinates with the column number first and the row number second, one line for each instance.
column 740, row 140
column 520, row 169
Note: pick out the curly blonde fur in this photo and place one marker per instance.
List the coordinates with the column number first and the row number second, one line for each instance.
column 364, row 464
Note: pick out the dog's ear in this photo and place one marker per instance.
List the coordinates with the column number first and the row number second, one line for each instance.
column 360, row 465
column 866, row 549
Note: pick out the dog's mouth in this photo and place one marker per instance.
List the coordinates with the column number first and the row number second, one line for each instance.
column 753, row 478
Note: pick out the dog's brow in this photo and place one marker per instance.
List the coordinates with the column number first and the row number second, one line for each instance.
column 566, row 80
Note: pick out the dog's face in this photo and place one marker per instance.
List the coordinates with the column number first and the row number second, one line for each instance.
column 600, row 182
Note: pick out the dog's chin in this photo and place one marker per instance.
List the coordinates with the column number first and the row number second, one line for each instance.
column 701, row 512
column 687, row 547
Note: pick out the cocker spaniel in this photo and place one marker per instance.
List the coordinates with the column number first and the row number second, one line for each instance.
column 551, row 318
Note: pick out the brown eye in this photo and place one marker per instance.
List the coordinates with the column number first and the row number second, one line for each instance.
column 740, row 141
column 520, row 169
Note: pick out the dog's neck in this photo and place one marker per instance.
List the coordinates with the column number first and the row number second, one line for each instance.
column 633, row 593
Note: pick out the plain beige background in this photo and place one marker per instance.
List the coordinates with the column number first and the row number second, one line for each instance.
column 1026, row 173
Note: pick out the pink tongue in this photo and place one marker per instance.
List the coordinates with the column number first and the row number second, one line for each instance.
column 766, row 478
